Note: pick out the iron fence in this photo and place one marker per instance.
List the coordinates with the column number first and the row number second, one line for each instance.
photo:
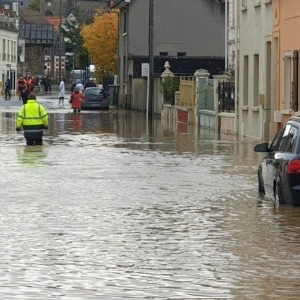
column 226, row 96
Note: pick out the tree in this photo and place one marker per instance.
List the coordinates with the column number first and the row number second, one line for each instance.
column 34, row 5
column 100, row 38
column 70, row 30
column 169, row 86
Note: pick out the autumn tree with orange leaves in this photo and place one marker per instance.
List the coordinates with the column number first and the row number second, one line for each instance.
column 100, row 39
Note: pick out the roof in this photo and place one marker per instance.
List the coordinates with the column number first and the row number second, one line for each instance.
column 32, row 16
column 55, row 21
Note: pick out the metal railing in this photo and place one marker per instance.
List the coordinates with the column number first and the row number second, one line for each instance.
column 226, row 96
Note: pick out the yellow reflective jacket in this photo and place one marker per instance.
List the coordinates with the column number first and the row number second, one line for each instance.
column 32, row 116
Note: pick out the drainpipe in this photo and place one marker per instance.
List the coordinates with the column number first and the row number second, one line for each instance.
column 236, row 66
column 226, row 35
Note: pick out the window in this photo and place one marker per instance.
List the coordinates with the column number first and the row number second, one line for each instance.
column 163, row 53
column 125, row 22
column 291, row 140
column 244, row 3
column 285, row 140
column 275, row 143
column 278, row 142
column 256, row 80
column 245, row 80
column 287, row 80
column 181, row 53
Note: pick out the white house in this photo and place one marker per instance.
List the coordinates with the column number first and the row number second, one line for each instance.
column 255, row 47
column 8, row 46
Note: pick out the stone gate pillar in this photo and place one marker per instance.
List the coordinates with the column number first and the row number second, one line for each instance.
column 202, row 76
column 165, row 74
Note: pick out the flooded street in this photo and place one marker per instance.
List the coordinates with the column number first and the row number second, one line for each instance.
column 115, row 207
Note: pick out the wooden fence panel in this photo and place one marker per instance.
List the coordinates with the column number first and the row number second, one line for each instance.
column 187, row 95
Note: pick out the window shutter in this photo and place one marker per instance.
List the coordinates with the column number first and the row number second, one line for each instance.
column 295, row 80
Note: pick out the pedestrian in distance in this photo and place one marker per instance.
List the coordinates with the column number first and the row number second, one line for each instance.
column 93, row 84
column 76, row 99
column 73, row 86
column 49, row 85
column 33, row 118
column 21, row 85
column 80, row 86
column 88, row 84
column 31, row 83
column 61, row 92
column 7, row 89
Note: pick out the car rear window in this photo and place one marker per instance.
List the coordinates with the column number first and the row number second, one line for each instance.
column 94, row 94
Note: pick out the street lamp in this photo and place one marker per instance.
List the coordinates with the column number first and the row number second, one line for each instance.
column 151, row 56
column 73, row 62
column 59, row 43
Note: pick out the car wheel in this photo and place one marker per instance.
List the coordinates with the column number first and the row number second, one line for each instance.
column 277, row 194
column 261, row 188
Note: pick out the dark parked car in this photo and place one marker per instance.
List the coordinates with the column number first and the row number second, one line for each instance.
column 279, row 171
column 95, row 98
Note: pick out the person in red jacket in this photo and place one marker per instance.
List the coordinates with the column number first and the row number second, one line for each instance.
column 76, row 99
column 31, row 83
column 21, row 85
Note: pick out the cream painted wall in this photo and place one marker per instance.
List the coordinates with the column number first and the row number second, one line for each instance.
column 255, row 33
column 8, row 55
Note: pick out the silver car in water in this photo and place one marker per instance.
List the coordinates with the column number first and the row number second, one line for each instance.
column 95, row 98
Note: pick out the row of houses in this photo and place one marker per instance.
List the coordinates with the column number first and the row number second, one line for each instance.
column 267, row 65
column 30, row 43
column 8, row 44
column 25, row 39
column 254, row 42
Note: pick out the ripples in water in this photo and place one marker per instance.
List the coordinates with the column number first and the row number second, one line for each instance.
column 98, row 215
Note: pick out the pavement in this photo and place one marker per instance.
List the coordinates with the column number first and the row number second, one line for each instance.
column 48, row 100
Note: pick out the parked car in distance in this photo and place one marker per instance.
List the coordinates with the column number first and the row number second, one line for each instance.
column 279, row 171
column 95, row 98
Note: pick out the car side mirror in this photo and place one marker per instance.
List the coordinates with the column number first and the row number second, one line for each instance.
column 263, row 147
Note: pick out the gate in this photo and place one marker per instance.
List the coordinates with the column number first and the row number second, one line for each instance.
column 226, row 96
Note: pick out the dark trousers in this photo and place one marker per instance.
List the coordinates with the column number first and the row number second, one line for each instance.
column 36, row 142
column 34, row 138
column 7, row 93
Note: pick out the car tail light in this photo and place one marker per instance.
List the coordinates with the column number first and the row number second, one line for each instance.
column 294, row 167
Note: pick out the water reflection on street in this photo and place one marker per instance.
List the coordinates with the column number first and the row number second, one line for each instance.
column 115, row 207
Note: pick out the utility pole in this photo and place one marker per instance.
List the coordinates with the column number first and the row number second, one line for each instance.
column 151, row 57
column 59, row 43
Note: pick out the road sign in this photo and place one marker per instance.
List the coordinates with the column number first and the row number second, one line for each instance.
column 145, row 69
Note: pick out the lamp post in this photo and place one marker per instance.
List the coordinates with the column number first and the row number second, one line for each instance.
column 73, row 77
column 59, row 43
column 151, row 57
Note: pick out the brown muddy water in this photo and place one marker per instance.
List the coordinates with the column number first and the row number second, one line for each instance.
column 115, row 207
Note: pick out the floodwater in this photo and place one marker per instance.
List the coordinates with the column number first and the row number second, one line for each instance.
column 117, row 207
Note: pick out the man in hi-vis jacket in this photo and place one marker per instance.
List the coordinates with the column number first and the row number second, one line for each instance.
column 33, row 118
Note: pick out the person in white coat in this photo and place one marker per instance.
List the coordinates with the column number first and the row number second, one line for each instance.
column 61, row 92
